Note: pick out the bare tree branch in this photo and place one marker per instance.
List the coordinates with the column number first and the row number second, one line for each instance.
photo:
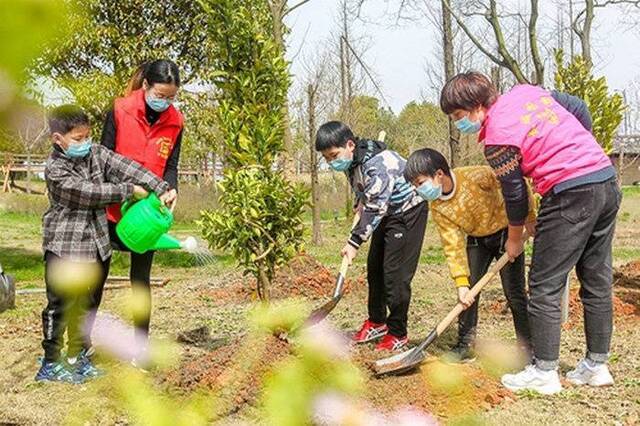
column 286, row 12
column 471, row 37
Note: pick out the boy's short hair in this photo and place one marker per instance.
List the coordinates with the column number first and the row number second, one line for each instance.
column 467, row 91
column 333, row 134
column 65, row 118
column 425, row 162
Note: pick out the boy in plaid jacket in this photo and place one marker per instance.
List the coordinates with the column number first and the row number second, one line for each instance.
column 82, row 179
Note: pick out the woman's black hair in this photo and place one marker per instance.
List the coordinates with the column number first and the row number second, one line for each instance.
column 425, row 162
column 162, row 71
column 333, row 134
column 159, row 71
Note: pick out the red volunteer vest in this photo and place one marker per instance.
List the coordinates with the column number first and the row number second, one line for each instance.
column 136, row 139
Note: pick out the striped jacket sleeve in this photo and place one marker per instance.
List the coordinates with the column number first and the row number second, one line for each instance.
column 76, row 192
column 120, row 169
column 378, row 187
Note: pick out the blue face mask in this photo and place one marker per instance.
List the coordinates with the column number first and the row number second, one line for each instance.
column 467, row 126
column 340, row 164
column 79, row 150
column 157, row 104
column 429, row 191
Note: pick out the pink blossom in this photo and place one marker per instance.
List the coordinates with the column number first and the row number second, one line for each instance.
column 115, row 337
column 337, row 409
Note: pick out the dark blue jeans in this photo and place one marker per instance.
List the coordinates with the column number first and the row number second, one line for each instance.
column 574, row 228
column 481, row 251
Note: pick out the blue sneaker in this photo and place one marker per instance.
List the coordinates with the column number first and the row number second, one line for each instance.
column 83, row 366
column 58, row 372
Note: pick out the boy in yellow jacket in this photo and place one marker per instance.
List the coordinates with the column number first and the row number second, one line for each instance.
column 469, row 210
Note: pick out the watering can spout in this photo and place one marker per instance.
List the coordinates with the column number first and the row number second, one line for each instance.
column 167, row 242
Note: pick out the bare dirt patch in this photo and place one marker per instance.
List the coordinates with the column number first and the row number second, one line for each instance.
column 622, row 309
column 628, row 275
column 304, row 277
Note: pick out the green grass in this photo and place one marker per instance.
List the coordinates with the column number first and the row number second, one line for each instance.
column 626, row 253
column 631, row 190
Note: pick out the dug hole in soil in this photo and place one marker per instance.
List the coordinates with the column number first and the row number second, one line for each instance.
column 236, row 370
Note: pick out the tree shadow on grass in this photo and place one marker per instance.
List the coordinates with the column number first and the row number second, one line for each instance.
column 23, row 264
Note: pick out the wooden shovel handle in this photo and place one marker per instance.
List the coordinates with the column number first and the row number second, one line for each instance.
column 475, row 290
column 345, row 261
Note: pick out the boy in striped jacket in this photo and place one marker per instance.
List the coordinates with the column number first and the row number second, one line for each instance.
column 392, row 216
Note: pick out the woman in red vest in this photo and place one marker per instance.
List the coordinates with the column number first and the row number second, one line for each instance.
column 144, row 126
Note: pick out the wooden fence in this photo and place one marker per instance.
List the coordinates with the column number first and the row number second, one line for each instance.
column 14, row 165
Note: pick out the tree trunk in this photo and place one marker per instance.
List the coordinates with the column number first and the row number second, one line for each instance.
column 449, row 72
column 347, row 92
column 263, row 284
column 533, row 45
column 313, row 168
column 585, row 34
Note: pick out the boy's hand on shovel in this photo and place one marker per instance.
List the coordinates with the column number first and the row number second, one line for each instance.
column 463, row 297
column 349, row 252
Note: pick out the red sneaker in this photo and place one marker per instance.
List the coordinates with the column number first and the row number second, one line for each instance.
column 392, row 343
column 369, row 331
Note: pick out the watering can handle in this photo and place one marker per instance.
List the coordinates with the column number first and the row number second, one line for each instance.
column 125, row 206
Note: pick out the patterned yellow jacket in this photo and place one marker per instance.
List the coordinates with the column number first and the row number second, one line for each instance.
column 475, row 207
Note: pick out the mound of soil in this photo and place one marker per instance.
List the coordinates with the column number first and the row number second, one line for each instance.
column 444, row 390
column 236, row 371
column 304, row 276
column 628, row 275
column 233, row 371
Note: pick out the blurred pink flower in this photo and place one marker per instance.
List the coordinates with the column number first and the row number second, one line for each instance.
column 336, row 409
column 325, row 338
column 117, row 338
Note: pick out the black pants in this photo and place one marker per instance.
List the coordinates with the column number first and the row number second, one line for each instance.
column 574, row 228
column 481, row 251
column 140, row 275
column 392, row 262
column 68, row 312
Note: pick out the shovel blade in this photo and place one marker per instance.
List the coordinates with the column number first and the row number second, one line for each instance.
column 400, row 363
column 322, row 312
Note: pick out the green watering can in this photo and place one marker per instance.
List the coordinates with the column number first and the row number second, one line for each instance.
column 144, row 227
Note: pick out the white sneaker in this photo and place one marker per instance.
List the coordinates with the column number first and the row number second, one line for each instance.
column 532, row 378
column 592, row 376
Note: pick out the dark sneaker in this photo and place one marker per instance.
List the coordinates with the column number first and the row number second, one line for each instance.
column 460, row 354
column 392, row 343
column 58, row 372
column 369, row 331
column 83, row 366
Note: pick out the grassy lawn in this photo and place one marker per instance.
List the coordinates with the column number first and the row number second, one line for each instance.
column 182, row 306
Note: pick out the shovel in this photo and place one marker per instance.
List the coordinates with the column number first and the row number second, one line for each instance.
column 408, row 360
column 324, row 310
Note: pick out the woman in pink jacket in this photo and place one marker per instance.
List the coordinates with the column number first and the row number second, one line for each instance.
column 527, row 133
